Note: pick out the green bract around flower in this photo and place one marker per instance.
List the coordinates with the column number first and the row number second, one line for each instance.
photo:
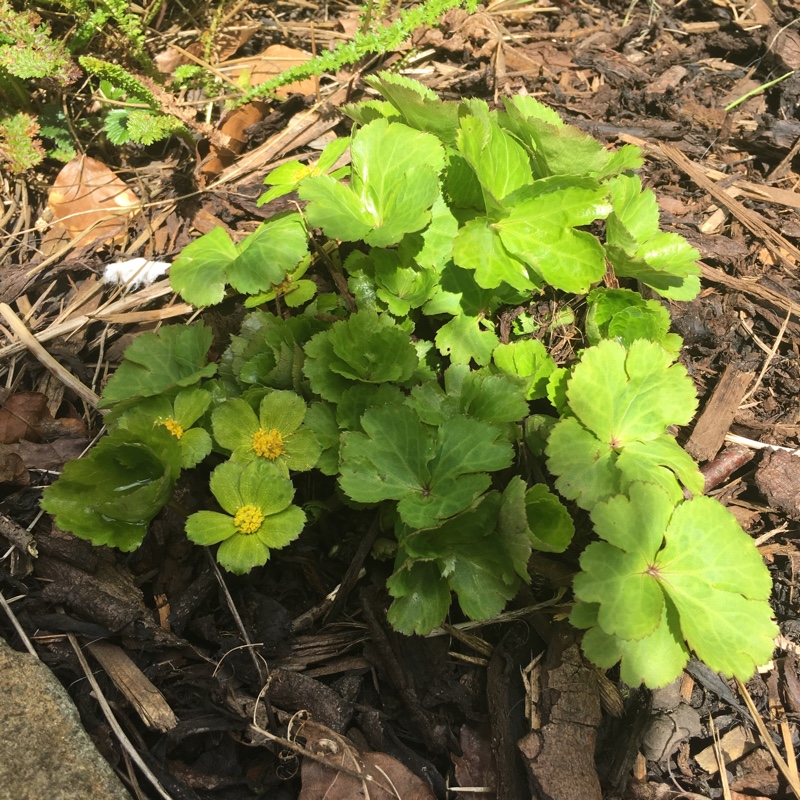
column 177, row 417
column 110, row 496
column 275, row 435
column 259, row 515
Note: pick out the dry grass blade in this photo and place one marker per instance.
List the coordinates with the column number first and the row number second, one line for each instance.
column 17, row 627
column 789, row 774
column 723, row 773
column 45, row 359
column 770, row 355
column 109, row 313
column 751, row 288
column 752, row 221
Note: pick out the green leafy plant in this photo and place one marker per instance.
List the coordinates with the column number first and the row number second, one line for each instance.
column 132, row 113
column 142, row 125
column 260, row 263
column 94, row 18
column 112, row 495
column 178, row 416
column 31, row 52
column 665, row 573
column 20, row 149
column 259, row 515
column 438, row 421
column 28, row 52
column 28, row 49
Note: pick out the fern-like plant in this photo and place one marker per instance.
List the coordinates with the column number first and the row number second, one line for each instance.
column 370, row 40
column 145, row 125
column 28, row 52
column 96, row 17
column 20, row 147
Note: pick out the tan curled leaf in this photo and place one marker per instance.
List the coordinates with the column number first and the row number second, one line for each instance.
column 88, row 196
column 384, row 777
column 266, row 65
column 233, row 130
column 20, row 416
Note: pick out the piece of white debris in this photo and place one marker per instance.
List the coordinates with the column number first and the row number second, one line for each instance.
column 134, row 273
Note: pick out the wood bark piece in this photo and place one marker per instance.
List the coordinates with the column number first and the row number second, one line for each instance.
column 504, row 696
column 709, row 431
column 559, row 756
column 778, row 480
column 145, row 698
column 735, row 744
column 293, row 691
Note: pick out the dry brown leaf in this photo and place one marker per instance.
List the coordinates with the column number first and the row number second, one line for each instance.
column 88, row 196
column 349, row 24
column 168, row 60
column 786, row 45
column 757, row 775
column 271, row 62
column 25, row 416
column 390, row 779
column 475, row 765
column 226, row 43
column 47, row 455
column 229, row 40
column 235, row 123
column 232, row 126
column 12, row 469
column 21, row 415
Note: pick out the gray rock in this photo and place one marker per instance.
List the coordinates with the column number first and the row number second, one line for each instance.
column 667, row 730
column 667, row 697
column 44, row 750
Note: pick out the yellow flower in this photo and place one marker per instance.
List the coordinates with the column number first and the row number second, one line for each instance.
column 275, row 434
column 259, row 515
column 248, row 519
column 173, row 426
column 268, row 444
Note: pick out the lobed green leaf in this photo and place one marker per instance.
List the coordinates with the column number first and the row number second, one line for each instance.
column 367, row 348
column 693, row 557
column 157, row 363
column 433, row 474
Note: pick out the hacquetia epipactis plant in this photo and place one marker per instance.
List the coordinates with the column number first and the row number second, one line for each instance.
column 448, row 218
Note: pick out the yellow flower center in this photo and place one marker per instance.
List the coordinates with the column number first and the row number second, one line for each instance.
column 248, row 519
column 268, row 444
column 172, row 426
